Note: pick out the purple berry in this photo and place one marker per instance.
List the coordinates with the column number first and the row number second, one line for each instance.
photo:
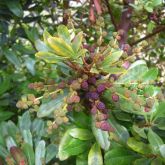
column 115, row 97
column 84, row 85
column 92, row 80
column 94, row 95
column 101, row 88
column 100, row 105
column 105, row 126
column 88, row 95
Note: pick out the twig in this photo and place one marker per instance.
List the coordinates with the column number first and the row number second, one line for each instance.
column 111, row 15
column 158, row 30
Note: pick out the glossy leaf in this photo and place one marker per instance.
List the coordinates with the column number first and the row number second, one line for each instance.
column 13, row 58
column 15, row 7
column 51, row 152
column 119, row 130
column 82, row 134
column 27, row 136
column 137, row 146
column 70, row 146
column 60, row 47
column 77, row 41
column 25, row 121
column 119, row 156
column 150, row 75
column 48, row 57
column 102, row 137
column 154, row 140
column 10, row 142
column 40, row 153
column 82, row 159
column 95, row 156
column 134, row 73
column 28, row 150
column 63, row 33
column 47, row 108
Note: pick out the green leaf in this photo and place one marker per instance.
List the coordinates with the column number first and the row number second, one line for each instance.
column 28, row 151
column 10, row 142
column 162, row 150
column 12, row 57
column 140, row 131
column 15, row 7
column 3, row 152
column 60, row 47
column 27, row 136
column 63, row 33
column 119, row 156
column 112, row 57
column 113, row 70
column 40, row 153
column 48, row 57
column 4, row 115
column 4, row 84
column 160, row 110
column 151, row 26
column 119, row 130
column 38, row 127
column 82, row 134
column 154, row 140
column 24, row 122
column 77, row 41
column 134, row 73
column 102, row 137
column 95, row 156
column 51, row 152
column 31, row 32
column 137, row 146
column 82, row 159
column 157, row 2
column 81, row 119
column 30, row 65
column 47, row 108
column 70, row 146
column 142, row 161
column 12, row 129
column 150, row 75
column 41, row 46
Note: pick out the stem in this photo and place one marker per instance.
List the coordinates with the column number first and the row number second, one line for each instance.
column 157, row 30
column 111, row 15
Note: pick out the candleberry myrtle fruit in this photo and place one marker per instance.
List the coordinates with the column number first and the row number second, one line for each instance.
column 100, row 105
column 84, row 85
column 105, row 126
column 115, row 97
column 101, row 88
column 94, row 95
column 92, row 80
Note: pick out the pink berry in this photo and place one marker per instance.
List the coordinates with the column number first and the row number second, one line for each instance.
column 115, row 97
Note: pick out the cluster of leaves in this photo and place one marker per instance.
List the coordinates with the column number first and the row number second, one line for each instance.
column 92, row 106
column 132, row 131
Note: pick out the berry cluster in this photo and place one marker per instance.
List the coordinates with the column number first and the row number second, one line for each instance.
column 91, row 90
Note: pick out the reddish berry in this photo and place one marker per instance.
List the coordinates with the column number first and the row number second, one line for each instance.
column 94, row 95
column 146, row 109
column 115, row 97
column 84, row 85
column 101, row 88
column 105, row 126
column 100, row 105
column 92, row 80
